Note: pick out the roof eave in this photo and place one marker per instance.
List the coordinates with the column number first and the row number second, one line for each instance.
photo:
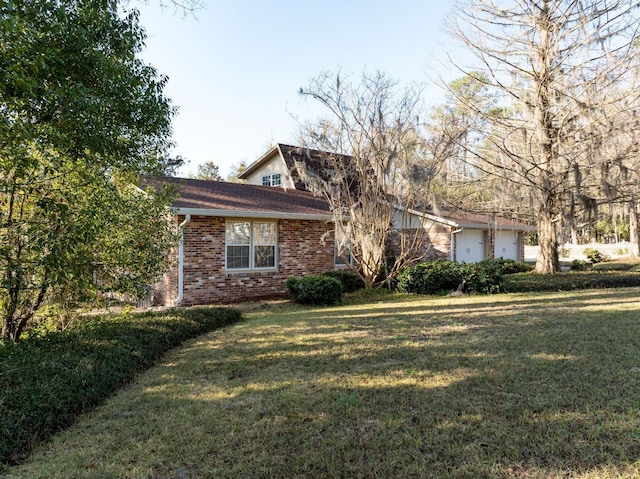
column 259, row 162
column 497, row 227
column 253, row 214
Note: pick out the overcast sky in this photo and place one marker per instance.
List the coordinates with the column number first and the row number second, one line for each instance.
column 235, row 69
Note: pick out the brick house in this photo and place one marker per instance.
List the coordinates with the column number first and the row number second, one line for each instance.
column 242, row 241
column 463, row 237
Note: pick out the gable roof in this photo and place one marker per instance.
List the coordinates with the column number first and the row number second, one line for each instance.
column 476, row 220
column 219, row 198
column 315, row 160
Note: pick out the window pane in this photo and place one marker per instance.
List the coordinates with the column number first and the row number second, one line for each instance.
column 265, row 256
column 237, row 257
column 276, row 179
column 338, row 259
column 264, row 233
column 266, row 180
column 238, row 233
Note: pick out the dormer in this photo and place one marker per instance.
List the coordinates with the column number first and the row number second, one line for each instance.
column 269, row 170
column 277, row 167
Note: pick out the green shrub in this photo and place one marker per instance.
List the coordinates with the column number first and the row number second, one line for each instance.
column 47, row 380
column 349, row 280
column 484, row 277
column 315, row 290
column 430, row 277
column 579, row 265
column 613, row 266
column 525, row 282
column 434, row 277
column 511, row 266
column 594, row 255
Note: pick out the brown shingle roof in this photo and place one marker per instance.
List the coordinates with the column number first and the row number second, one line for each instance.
column 315, row 160
column 227, row 199
column 476, row 220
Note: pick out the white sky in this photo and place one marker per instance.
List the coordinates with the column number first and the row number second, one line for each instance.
column 235, row 70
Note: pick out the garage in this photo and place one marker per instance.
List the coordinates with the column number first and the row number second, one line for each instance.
column 470, row 246
column 506, row 245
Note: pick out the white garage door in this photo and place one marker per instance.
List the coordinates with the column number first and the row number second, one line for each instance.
column 470, row 246
column 506, row 245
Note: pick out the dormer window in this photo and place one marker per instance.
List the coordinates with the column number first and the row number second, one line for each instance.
column 272, row 180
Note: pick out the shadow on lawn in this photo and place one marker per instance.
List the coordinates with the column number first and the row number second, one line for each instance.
column 528, row 391
column 544, row 387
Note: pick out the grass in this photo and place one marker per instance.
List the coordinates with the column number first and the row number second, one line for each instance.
column 525, row 385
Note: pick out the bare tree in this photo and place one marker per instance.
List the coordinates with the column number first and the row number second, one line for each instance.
column 618, row 173
column 371, row 173
column 236, row 170
column 551, row 61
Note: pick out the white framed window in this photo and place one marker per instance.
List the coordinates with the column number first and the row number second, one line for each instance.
column 338, row 261
column 272, row 180
column 250, row 245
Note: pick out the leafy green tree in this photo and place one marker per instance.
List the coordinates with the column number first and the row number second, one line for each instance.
column 208, row 171
column 81, row 116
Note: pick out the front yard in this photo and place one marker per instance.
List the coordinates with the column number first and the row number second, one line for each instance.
column 525, row 385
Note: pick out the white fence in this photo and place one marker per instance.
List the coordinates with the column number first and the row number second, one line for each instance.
column 569, row 252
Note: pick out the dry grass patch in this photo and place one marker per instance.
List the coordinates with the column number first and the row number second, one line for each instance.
column 529, row 386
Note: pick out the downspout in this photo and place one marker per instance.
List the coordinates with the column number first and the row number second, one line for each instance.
column 178, row 300
column 452, row 252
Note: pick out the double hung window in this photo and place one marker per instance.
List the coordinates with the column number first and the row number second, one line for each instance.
column 272, row 180
column 250, row 244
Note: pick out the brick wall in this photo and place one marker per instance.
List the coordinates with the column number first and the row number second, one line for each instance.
column 304, row 248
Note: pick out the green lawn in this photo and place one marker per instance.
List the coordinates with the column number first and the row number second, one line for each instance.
column 540, row 385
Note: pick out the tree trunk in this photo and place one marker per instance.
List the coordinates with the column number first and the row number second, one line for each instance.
column 571, row 220
column 633, row 229
column 547, row 262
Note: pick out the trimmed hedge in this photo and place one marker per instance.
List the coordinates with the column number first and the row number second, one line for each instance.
column 484, row 277
column 434, row 277
column 47, row 381
column 615, row 266
column 315, row 290
column 524, row 282
column 511, row 266
column 430, row 277
column 350, row 281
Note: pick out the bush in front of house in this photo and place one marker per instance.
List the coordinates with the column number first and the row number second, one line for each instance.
column 434, row 277
column 320, row 290
column 350, row 281
column 431, row 277
column 48, row 379
column 484, row 277
column 511, row 266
